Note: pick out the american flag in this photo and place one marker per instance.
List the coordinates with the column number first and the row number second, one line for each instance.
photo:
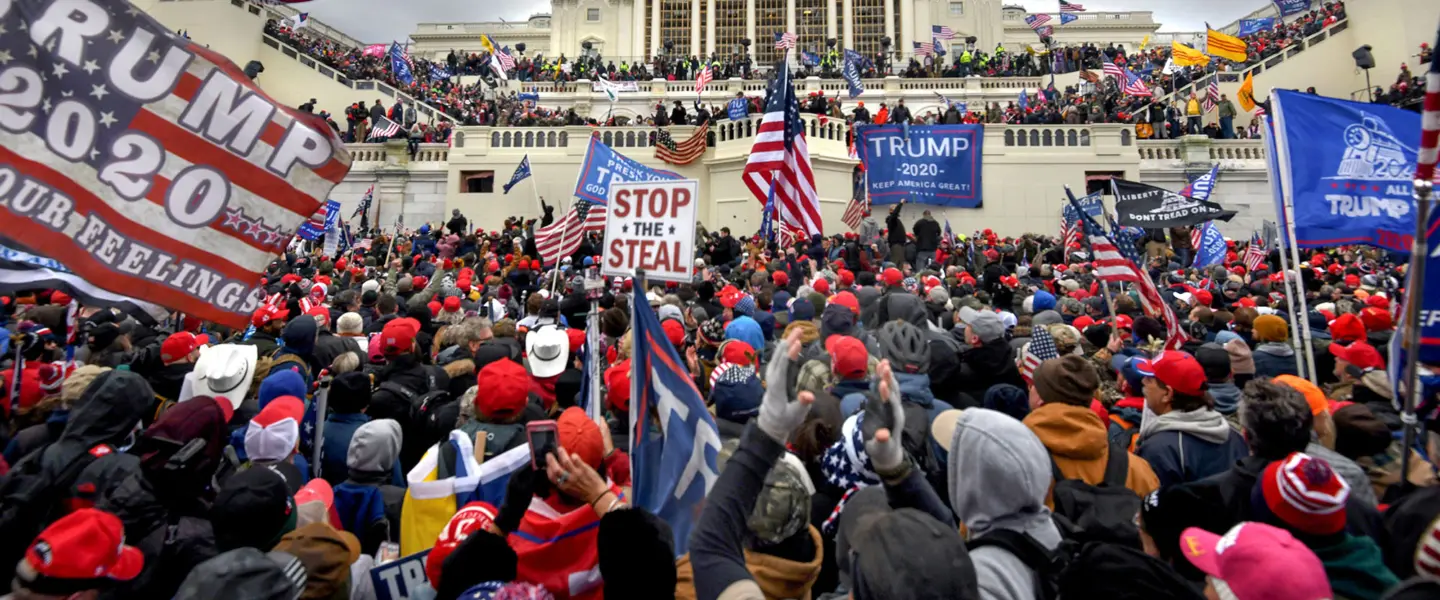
column 1197, row 235
column 1212, row 96
column 780, row 145
column 943, row 32
column 1069, row 234
column 320, row 222
column 1112, row 70
column 1040, row 349
column 1136, row 87
column 506, row 61
column 855, row 213
column 1066, row 7
column 1430, row 123
column 784, row 41
column 682, row 153
column 1127, row 240
column 1255, row 254
column 227, row 189
column 1037, row 21
column 924, row 49
column 384, row 128
column 702, row 78
column 562, row 238
column 1114, row 266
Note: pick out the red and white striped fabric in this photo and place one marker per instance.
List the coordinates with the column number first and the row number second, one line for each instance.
column 1111, row 266
column 196, row 231
column 701, row 79
column 1197, row 235
column 1254, row 254
column 506, row 60
column 780, row 146
column 1212, row 97
column 854, row 214
column 562, row 238
column 1114, row 70
column 1430, row 122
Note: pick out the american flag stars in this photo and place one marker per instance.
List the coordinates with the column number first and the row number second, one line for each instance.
column 256, row 228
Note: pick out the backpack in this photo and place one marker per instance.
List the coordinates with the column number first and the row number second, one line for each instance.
column 1098, row 513
column 30, row 500
column 500, row 437
column 1046, row 565
column 420, row 404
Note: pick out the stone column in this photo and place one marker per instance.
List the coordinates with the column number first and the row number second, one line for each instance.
column 709, row 29
column 848, row 7
column 890, row 27
column 655, row 43
column 907, row 27
column 831, row 23
column 750, row 26
column 637, row 45
column 695, row 27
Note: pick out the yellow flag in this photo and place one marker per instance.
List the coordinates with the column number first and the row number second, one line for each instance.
column 485, row 43
column 1145, row 41
column 1186, row 56
column 1246, row 95
column 1224, row 45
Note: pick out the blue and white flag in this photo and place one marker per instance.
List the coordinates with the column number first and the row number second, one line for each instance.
column 738, row 109
column 400, row 65
column 767, row 220
column 809, row 59
column 1348, row 167
column 321, row 221
column 1066, row 18
column 1201, row 187
column 1024, row 102
column 674, row 467
column 530, row 99
column 1254, row 26
column 438, row 72
column 1292, row 7
column 522, row 173
column 1211, row 250
column 851, row 72
column 299, row 21
column 939, row 48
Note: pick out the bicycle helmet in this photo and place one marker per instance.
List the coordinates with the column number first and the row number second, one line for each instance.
column 905, row 346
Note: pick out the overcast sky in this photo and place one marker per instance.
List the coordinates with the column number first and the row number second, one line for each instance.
column 384, row 20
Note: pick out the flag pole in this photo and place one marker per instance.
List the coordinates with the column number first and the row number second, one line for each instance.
column 1302, row 321
column 1284, row 267
column 535, row 190
column 1104, row 286
column 1419, row 255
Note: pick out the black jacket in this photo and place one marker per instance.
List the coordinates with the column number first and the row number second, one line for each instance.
column 174, row 541
column 406, row 372
column 495, row 349
column 985, row 366
column 328, row 346
column 895, row 230
column 927, row 235
column 265, row 343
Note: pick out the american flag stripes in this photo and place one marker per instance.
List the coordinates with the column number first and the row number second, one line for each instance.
column 562, row 238
column 1037, row 21
column 702, row 78
column 682, row 153
column 1071, row 7
column 1430, row 122
column 924, row 49
column 1255, row 254
column 943, row 32
column 784, row 41
column 1135, row 86
column 1212, row 95
column 855, row 213
column 384, row 129
column 780, row 145
column 1112, row 70
column 227, row 176
column 1040, row 349
column 506, row 61
column 1113, row 266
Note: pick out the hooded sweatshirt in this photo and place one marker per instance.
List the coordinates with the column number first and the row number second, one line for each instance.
column 1227, row 397
column 1274, row 358
column 368, row 506
column 1078, row 443
column 778, row 577
column 1185, row 446
column 1355, row 567
column 999, row 475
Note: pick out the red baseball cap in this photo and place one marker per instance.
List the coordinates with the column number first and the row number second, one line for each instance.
column 1352, row 280
column 398, row 336
column 1177, row 370
column 85, row 545
column 1378, row 301
column 1360, row 354
column 507, row 390
column 576, row 339
column 452, row 304
column 739, row 353
column 847, row 278
column 674, row 331
column 892, row 276
column 780, row 278
column 617, row 384
column 180, row 345
column 265, row 314
column 1347, row 328
column 848, row 300
column 1124, row 322
column 580, row 436
column 821, row 285
column 1376, row 319
column 475, row 516
column 1082, row 322
column 848, row 357
column 1204, row 297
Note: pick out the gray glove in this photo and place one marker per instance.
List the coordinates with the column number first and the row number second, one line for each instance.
column 888, row 456
column 780, row 413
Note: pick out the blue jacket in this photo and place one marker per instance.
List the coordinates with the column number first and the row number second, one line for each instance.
column 913, row 388
column 339, row 428
column 1274, row 358
column 1186, row 447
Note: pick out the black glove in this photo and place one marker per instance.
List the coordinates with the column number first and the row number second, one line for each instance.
column 522, row 486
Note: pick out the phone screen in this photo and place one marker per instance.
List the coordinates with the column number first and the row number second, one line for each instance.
column 544, row 439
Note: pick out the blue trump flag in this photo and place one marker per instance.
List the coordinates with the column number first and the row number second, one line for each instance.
column 530, row 99
column 1067, row 18
column 767, row 221
column 1024, row 102
column 603, row 166
column 1291, row 7
column 809, row 59
column 314, row 229
column 400, row 65
column 1347, row 167
column 851, row 72
column 1254, row 26
column 673, row 465
column 933, row 164
column 1201, row 187
column 1212, row 246
column 522, row 173
column 738, row 109
column 438, row 72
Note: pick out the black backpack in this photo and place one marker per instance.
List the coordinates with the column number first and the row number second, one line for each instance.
column 1098, row 513
column 31, row 500
column 1048, row 565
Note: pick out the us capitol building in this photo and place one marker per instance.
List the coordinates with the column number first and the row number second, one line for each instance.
column 627, row 29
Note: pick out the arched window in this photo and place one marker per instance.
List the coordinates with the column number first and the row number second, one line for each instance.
column 494, row 139
column 1047, row 139
column 1022, row 139
column 553, row 139
column 529, row 139
column 608, row 138
column 506, row 142
column 564, row 139
column 1124, row 137
column 1034, row 137
column 1085, row 138
column 1073, row 138
column 1009, row 137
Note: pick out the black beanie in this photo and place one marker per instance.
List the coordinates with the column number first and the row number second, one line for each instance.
column 350, row 392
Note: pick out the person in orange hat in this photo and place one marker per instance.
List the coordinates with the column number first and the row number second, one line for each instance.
column 78, row 556
column 1322, row 438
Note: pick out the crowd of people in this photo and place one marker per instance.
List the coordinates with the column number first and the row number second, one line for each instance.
column 902, row 414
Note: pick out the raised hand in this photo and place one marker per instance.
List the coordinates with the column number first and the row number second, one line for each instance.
column 885, row 449
column 782, row 410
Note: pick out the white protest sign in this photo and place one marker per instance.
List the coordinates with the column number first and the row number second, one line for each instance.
column 651, row 226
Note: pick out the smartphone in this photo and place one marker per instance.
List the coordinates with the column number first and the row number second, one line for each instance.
column 544, row 438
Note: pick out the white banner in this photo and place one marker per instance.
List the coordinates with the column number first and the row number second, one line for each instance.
column 651, row 226
column 601, row 85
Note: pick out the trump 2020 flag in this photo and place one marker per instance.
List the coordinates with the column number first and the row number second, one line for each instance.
column 851, row 72
column 673, row 466
column 322, row 221
column 400, row 65
column 148, row 164
column 522, row 173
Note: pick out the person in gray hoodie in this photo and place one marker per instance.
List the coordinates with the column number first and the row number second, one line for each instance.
column 1182, row 436
column 999, row 474
column 368, row 502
